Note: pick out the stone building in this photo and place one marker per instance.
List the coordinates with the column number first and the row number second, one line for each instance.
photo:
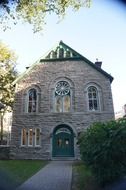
column 56, row 99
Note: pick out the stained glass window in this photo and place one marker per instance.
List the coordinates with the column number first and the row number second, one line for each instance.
column 93, row 101
column 62, row 97
column 32, row 100
column 62, row 88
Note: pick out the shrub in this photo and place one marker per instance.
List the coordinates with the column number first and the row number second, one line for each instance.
column 103, row 149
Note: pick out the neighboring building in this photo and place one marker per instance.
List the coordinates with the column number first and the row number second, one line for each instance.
column 124, row 107
column 56, row 99
column 7, row 124
column 121, row 113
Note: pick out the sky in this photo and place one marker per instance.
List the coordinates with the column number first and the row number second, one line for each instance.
column 98, row 32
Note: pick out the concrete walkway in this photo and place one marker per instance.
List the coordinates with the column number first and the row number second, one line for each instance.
column 57, row 175
column 119, row 185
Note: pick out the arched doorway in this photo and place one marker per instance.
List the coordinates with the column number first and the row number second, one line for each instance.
column 63, row 141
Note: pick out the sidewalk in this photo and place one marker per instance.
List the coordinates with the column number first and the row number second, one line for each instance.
column 57, row 175
column 119, row 185
column 7, row 181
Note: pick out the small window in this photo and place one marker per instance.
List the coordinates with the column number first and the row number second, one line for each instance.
column 37, row 137
column 24, row 137
column 93, row 101
column 32, row 100
column 30, row 137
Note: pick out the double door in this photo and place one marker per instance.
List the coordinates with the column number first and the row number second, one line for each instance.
column 63, row 145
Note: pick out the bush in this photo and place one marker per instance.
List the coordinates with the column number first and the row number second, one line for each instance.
column 103, row 149
column 83, row 178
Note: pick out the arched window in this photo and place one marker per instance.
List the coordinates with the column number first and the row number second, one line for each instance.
column 62, row 97
column 32, row 100
column 93, row 99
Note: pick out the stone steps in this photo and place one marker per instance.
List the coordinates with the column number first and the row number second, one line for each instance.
column 63, row 158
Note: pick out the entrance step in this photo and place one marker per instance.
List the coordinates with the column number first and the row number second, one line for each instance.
column 63, row 158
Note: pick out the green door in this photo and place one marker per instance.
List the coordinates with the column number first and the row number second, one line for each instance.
column 63, row 143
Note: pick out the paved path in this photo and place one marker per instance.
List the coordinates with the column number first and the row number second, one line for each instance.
column 7, row 180
column 119, row 185
column 57, row 175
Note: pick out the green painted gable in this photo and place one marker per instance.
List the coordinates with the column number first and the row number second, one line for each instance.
column 62, row 52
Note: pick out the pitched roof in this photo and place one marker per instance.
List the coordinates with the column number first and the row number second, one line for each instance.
column 62, row 52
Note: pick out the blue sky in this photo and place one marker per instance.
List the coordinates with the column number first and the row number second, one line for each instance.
column 95, row 32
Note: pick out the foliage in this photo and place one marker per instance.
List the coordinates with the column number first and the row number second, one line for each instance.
column 7, row 76
column 35, row 11
column 83, row 178
column 103, row 149
column 17, row 171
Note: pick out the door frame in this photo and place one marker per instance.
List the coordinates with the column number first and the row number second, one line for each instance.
column 67, row 127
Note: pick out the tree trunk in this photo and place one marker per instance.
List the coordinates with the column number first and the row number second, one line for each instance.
column 1, row 131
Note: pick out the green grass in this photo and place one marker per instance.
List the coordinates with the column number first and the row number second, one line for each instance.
column 17, row 171
column 83, row 179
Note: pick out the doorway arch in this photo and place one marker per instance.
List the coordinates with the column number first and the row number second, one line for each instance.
column 63, row 141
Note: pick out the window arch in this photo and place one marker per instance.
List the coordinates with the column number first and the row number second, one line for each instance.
column 93, row 98
column 32, row 101
column 62, row 96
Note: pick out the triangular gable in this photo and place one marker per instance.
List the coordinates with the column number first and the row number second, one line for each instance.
column 63, row 52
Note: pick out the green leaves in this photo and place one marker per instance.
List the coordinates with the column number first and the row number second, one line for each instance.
column 7, row 75
column 35, row 11
column 103, row 149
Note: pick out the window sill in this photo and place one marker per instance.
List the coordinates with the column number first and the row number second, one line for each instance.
column 26, row 146
column 37, row 146
column 94, row 111
column 31, row 113
column 62, row 112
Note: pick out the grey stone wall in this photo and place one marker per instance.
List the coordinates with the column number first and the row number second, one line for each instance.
column 4, row 152
column 44, row 77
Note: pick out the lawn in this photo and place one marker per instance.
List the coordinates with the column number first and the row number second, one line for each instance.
column 15, row 172
column 83, row 179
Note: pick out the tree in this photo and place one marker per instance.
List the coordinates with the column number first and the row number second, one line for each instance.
column 35, row 11
column 7, row 76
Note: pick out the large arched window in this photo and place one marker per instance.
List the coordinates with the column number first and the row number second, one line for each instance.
column 62, row 97
column 32, row 100
column 93, row 98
